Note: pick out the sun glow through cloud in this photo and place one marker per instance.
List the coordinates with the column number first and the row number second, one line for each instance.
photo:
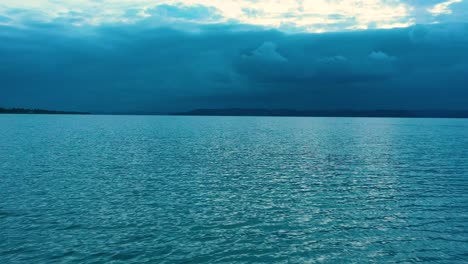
column 286, row 15
column 443, row 8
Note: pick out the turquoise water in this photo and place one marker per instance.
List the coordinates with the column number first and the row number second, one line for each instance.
column 136, row 189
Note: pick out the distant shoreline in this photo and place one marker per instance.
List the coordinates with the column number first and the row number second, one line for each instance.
column 264, row 113
column 39, row 111
column 327, row 113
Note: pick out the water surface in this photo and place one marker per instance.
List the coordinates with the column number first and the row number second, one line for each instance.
column 136, row 189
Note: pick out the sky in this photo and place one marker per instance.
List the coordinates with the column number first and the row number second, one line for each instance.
column 157, row 56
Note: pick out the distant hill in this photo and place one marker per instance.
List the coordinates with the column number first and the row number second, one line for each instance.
column 38, row 111
column 327, row 113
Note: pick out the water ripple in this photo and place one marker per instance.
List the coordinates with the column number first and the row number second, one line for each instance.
column 98, row 189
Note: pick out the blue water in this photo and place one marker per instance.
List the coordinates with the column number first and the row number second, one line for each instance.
column 143, row 189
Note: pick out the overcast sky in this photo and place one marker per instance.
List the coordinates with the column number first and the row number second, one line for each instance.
column 144, row 55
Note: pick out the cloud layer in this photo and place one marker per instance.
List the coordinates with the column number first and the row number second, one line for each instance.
column 285, row 15
column 140, row 67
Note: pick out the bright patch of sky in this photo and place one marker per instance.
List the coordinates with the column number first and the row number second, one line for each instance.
column 443, row 8
column 286, row 15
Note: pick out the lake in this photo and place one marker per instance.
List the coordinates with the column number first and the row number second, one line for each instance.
column 162, row 189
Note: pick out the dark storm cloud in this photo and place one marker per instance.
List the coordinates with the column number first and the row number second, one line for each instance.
column 139, row 67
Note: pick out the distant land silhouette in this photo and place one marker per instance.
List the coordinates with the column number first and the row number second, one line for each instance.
column 328, row 113
column 38, row 111
column 265, row 112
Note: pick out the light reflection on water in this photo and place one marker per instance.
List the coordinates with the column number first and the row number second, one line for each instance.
column 224, row 189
